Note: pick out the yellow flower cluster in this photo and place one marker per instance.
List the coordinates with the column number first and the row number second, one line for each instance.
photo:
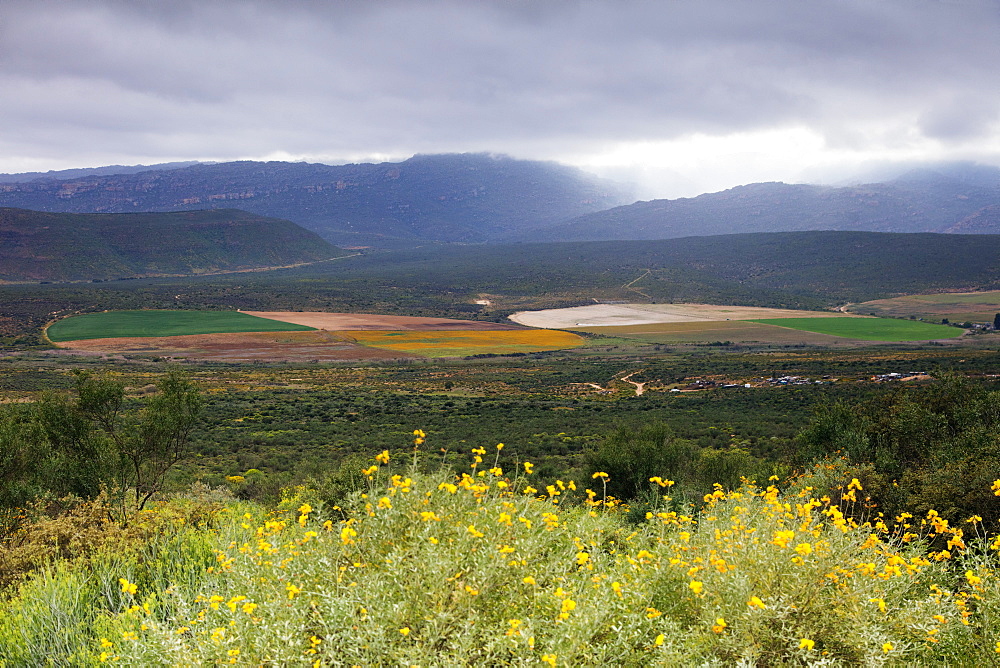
column 438, row 569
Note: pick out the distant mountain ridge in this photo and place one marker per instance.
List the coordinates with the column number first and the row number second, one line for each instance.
column 450, row 198
column 66, row 174
column 956, row 200
column 476, row 198
column 42, row 246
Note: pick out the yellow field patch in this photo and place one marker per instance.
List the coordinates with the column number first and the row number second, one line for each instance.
column 460, row 343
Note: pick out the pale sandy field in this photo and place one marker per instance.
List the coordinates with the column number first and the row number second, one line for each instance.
column 617, row 315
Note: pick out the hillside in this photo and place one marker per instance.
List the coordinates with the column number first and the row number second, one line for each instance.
column 954, row 200
column 454, row 198
column 38, row 246
column 787, row 269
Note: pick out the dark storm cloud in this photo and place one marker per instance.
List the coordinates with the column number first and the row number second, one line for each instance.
column 90, row 80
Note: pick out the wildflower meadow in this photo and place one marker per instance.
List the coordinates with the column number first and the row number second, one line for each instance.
column 492, row 567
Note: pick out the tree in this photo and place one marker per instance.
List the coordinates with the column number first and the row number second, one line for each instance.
column 97, row 440
column 145, row 444
column 996, row 321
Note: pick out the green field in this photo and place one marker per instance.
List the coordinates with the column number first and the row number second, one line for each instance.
column 112, row 324
column 867, row 329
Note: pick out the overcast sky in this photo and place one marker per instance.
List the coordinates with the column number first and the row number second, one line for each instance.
column 683, row 96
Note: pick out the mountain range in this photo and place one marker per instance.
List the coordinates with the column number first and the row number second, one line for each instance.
column 956, row 199
column 449, row 198
column 476, row 198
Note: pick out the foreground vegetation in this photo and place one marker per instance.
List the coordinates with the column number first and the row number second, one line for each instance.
column 484, row 568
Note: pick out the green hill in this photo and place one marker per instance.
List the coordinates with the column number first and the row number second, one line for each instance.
column 40, row 246
column 793, row 269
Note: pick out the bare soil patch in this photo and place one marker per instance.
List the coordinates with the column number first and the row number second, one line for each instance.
column 612, row 315
column 244, row 347
column 364, row 321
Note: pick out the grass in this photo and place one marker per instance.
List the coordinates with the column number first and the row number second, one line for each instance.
column 461, row 343
column 112, row 324
column 868, row 329
column 482, row 569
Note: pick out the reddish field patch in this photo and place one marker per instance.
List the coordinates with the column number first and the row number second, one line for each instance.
column 245, row 347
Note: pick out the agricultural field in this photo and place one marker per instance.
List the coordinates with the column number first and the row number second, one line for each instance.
column 607, row 315
column 868, row 329
column 227, row 336
column 117, row 324
column 459, row 343
column 955, row 306
column 707, row 323
column 732, row 331
column 307, row 346
column 339, row 322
